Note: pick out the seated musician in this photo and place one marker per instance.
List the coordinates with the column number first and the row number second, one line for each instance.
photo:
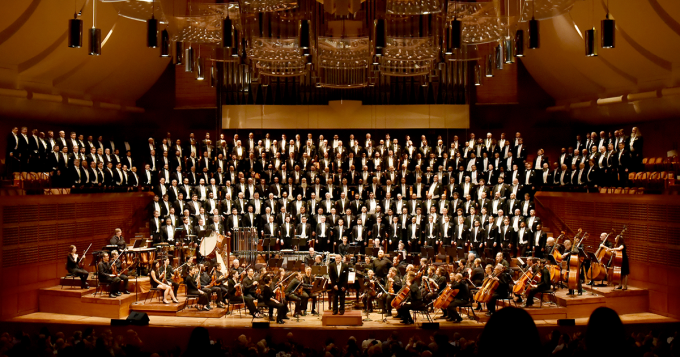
column 462, row 268
column 236, row 266
column 309, row 259
column 73, row 269
column 169, row 271
column 119, row 266
column 269, row 299
column 503, row 288
column 502, row 261
column 392, row 285
column 221, row 282
column 232, row 283
column 191, row 282
column 531, row 266
column 414, row 300
column 157, row 279
column 118, row 239
column 249, row 288
column 488, row 273
column 429, row 290
column 369, row 290
column 462, row 297
column 542, row 286
column 295, row 292
column 477, row 273
column 308, row 282
column 105, row 275
column 206, row 279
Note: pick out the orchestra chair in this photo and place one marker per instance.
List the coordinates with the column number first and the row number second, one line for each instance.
column 641, row 178
column 100, row 287
column 603, row 190
column 423, row 311
column 470, row 309
column 631, row 176
column 640, row 191
column 659, row 164
column 632, row 191
column 646, row 163
column 263, row 309
column 154, row 292
column 237, row 304
column 68, row 275
column 549, row 292
column 617, row 191
column 190, row 297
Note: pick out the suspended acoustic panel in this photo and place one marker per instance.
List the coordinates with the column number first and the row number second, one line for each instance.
column 544, row 9
column 343, row 62
column 482, row 22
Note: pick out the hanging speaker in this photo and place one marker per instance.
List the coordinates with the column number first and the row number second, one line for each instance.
column 498, row 54
column 226, row 33
column 489, row 65
column 199, row 69
column 189, row 60
column 212, row 76
column 95, row 42
column 608, row 36
column 591, row 43
column 534, row 36
column 304, row 34
column 519, row 43
column 165, row 43
column 380, row 33
column 152, row 33
column 179, row 53
column 75, row 32
column 478, row 74
column 234, row 50
column 456, row 34
column 509, row 51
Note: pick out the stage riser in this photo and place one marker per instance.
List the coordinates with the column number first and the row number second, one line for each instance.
column 350, row 318
column 84, row 303
column 143, row 282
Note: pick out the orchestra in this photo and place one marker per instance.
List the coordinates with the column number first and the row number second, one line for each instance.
column 418, row 226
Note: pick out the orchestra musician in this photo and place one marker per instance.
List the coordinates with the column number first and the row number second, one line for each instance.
column 206, row 279
column 542, row 286
column 415, row 300
column 370, row 290
column 249, row 287
column 503, row 289
column 338, row 273
column 620, row 246
column 105, row 275
column 119, row 265
column 269, row 299
column 295, row 292
column 462, row 297
column 572, row 249
column 73, row 268
column 158, row 278
column 392, row 285
column 308, row 282
column 343, row 248
column 191, row 281
column 118, row 239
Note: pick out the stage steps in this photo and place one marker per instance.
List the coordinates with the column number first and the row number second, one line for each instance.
column 76, row 301
column 142, row 283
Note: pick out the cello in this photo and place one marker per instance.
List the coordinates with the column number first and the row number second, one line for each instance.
column 445, row 298
column 401, row 296
column 487, row 289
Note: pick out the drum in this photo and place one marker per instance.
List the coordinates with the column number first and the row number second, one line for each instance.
column 208, row 245
column 189, row 252
column 162, row 249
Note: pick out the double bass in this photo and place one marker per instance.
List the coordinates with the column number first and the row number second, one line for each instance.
column 617, row 261
column 574, row 264
column 556, row 252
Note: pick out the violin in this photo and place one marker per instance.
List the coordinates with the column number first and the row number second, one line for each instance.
column 81, row 261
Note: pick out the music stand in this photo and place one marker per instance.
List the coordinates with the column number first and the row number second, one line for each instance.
column 298, row 242
column 275, row 262
column 592, row 258
column 371, row 252
column 427, row 252
column 450, row 252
